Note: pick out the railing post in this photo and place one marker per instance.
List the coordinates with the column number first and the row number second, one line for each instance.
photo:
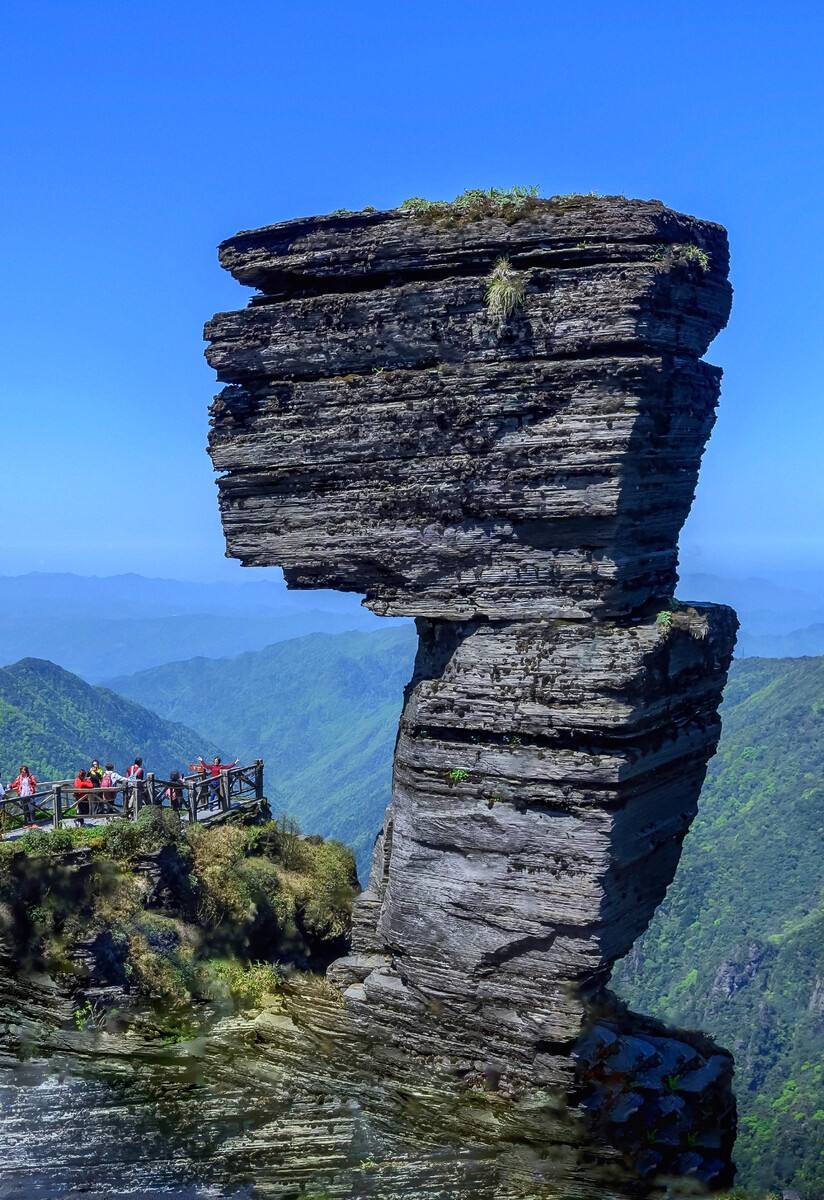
column 225, row 800
column 259, row 779
column 57, row 806
column 150, row 784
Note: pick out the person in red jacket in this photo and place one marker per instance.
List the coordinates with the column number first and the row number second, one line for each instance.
column 82, row 786
column 213, row 771
column 26, row 785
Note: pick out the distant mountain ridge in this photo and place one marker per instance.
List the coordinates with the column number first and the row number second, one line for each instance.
column 102, row 626
column 55, row 722
column 765, row 607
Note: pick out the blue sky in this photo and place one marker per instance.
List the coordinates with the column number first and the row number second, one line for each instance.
column 135, row 137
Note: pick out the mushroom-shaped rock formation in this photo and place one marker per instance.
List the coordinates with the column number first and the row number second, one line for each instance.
column 517, row 481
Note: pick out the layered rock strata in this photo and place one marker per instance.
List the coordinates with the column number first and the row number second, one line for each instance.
column 518, row 486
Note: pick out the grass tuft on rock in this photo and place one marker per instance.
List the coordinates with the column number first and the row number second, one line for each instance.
column 505, row 290
column 475, row 204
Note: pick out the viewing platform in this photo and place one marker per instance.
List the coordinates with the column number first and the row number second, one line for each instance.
column 194, row 797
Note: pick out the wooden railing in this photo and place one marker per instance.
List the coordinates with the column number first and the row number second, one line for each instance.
column 194, row 797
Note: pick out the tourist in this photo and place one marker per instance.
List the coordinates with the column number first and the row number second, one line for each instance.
column 136, row 776
column 95, row 773
column 174, row 791
column 110, row 782
column 84, row 802
column 214, row 770
column 200, row 786
column 26, row 785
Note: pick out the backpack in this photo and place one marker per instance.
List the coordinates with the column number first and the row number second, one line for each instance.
column 106, row 781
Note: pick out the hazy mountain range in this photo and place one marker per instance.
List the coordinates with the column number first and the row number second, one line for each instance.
column 777, row 619
column 99, row 627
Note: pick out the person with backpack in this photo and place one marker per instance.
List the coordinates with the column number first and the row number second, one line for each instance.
column 135, row 777
column 110, row 782
column 26, row 785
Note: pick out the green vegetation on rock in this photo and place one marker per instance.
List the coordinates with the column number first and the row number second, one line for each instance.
column 166, row 913
column 737, row 947
column 509, row 204
column 505, row 290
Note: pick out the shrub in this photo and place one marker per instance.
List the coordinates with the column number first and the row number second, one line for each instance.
column 457, row 775
column 158, row 826
column 505, row 290
column 685, row 255
column 277, row 839
column 156, row 976
column 248, row 984
column 122, row 840
column 329, row 890
column 222, row 892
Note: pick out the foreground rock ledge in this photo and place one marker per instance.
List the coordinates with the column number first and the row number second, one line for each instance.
column 519, row 487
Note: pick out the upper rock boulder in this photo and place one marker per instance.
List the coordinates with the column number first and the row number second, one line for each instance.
column 387, row 431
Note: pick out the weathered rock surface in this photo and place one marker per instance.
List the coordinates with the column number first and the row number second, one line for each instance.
column 545, row 776
column 300, row 1099
column 519, row 486
column 382, row 432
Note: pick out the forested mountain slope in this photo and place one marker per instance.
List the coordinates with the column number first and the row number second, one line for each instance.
column 56, row 723
column 737, row 948
column 321, row 710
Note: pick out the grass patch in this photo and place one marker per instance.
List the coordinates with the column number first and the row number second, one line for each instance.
column 475, row 204
column 505, row 290
column 683, row 255
column 247, row 984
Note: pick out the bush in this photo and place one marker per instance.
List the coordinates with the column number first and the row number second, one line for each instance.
column 223, row 893
column 122, row 840
column 158, row 826
column 324, row 890
column 505, row 290
column 248, row 984
column 157, row 976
